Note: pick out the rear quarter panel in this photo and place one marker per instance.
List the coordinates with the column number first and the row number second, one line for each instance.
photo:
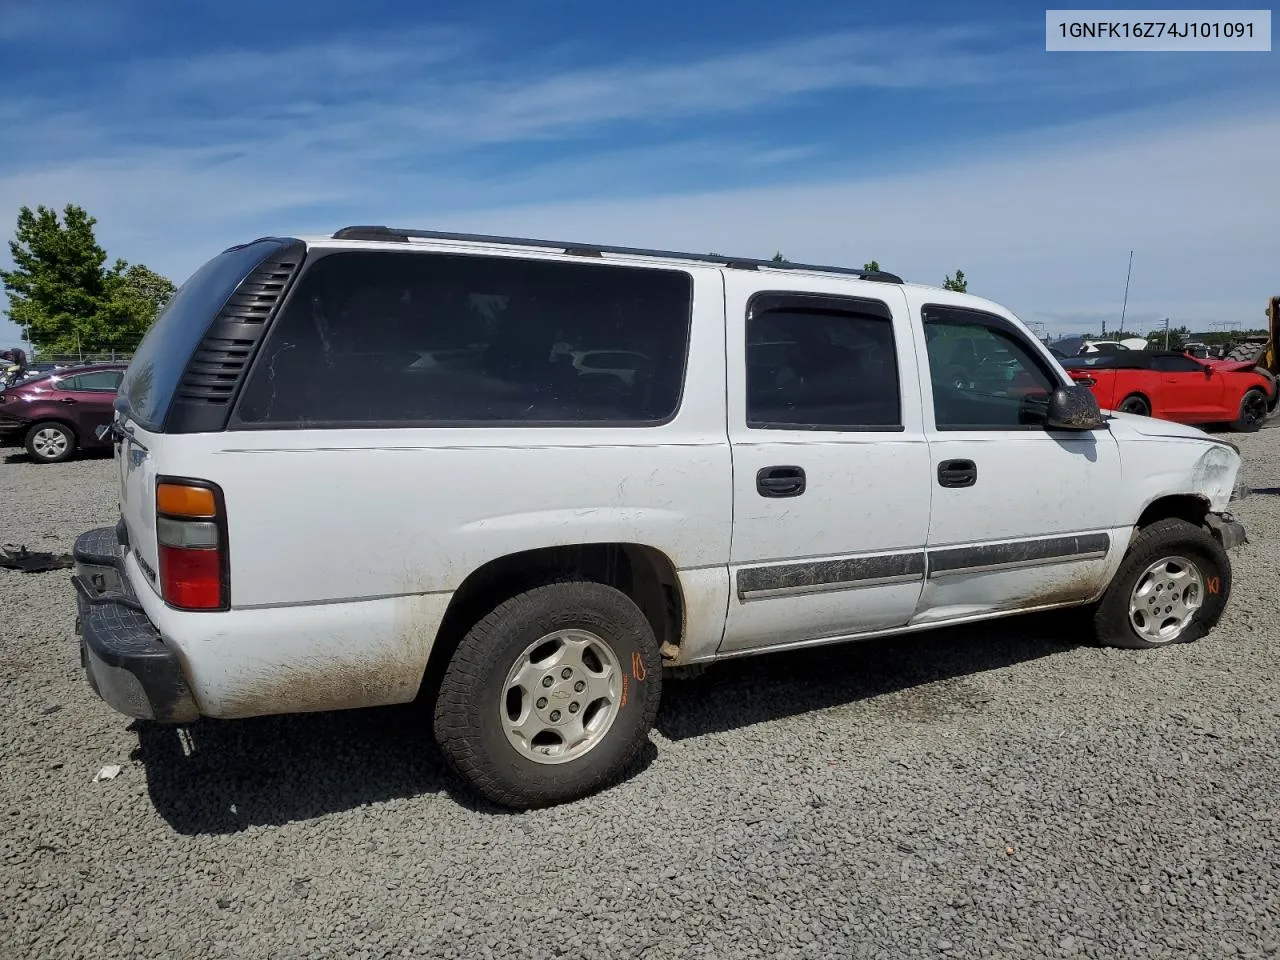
column 1104, row 388
column 331, row 514
column 345, row 545
column 1144, row 382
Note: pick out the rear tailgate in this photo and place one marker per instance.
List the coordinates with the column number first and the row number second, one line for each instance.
column 138, row 497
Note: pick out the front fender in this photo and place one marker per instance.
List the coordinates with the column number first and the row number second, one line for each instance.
column 1178, row 465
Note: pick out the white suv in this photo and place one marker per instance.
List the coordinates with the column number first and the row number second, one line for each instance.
column 313, row 518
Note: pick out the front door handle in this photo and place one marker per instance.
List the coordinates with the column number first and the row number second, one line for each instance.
column 68, row 400
column 957, row 473
column 780, row 481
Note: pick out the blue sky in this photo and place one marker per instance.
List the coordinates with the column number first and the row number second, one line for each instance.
column 930, row 138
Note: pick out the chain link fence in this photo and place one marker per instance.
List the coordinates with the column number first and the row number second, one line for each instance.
column 75, row 359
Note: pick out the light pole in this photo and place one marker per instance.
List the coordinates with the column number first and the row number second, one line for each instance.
column 1124, row 306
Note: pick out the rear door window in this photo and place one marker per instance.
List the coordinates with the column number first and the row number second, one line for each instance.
column 1176, row 364
column 100, row 381
column 161, row 359
column 827, row 367
column 374, row 338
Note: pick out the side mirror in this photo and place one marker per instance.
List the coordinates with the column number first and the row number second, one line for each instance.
column 1073, row 408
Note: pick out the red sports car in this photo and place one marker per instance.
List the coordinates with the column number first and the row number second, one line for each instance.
column 1175, row 386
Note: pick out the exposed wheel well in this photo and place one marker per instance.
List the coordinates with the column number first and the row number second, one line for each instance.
column 1185, row 506
column 643, row 573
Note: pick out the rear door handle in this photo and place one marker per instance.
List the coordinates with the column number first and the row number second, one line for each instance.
column 68, row 400
column 780, row 481
column 957, row 473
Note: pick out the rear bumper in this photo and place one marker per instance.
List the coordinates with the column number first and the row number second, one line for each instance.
column 124, row 657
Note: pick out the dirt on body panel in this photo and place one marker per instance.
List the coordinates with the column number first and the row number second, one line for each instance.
column 374, row 673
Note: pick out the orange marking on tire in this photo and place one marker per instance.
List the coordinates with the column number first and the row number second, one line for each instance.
column 1214, row 585
column 624, row 691
column 637, row 668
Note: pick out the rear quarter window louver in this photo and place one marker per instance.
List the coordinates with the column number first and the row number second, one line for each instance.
column 216, row 370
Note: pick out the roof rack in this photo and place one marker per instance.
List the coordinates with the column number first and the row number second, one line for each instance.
column 387, row 234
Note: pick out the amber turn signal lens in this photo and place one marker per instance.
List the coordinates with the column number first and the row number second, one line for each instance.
column 178, row 500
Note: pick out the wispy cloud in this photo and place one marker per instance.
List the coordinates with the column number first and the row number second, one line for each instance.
column 1040, row 225
column 423, row 91
column 180, row 154
column 435, row 91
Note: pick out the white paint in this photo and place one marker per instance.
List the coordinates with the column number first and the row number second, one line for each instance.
column 314, row 656
column 346, row 545
column 135, row 458
column 866, row 492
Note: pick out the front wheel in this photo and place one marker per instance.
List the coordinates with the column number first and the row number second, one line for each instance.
column 1253, row 411
column 551, row 696
column 1171, row 587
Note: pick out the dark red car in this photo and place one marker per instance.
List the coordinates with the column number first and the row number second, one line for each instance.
column 56, row 414
column 1175, row 386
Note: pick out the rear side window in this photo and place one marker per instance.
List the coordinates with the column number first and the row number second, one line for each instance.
column 373, row 338
column 161, row 359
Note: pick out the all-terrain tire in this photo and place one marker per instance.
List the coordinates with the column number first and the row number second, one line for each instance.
column 1169, row 538
column 469, row 722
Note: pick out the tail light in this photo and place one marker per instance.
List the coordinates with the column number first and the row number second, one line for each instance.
column 191, row 531
column 1083, row 380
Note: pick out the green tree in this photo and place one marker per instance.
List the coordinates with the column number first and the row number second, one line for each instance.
column 872, row 267
column 779, row 258
column 62, row 295
column 1177, row 337
column 959, row 284
column 135, row 295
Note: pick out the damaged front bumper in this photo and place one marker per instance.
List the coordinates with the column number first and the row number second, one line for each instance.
column 1227, row 530
column 127, row 662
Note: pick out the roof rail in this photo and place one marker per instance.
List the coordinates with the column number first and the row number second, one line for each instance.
column 390, row 235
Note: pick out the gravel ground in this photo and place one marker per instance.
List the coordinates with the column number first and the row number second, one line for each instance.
column 993, row 792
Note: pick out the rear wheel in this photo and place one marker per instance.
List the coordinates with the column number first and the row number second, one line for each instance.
column 1171, row 587
column 50, row 442
column 551, row 696
column 1253, row 411
column 1136, row 403
column 1275, row 387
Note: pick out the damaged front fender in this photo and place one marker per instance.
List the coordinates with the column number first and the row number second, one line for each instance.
column 1227, row 530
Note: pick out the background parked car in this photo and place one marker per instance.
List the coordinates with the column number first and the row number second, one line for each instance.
column 1079, row 346
column 1174, row 386
column 54, row 415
